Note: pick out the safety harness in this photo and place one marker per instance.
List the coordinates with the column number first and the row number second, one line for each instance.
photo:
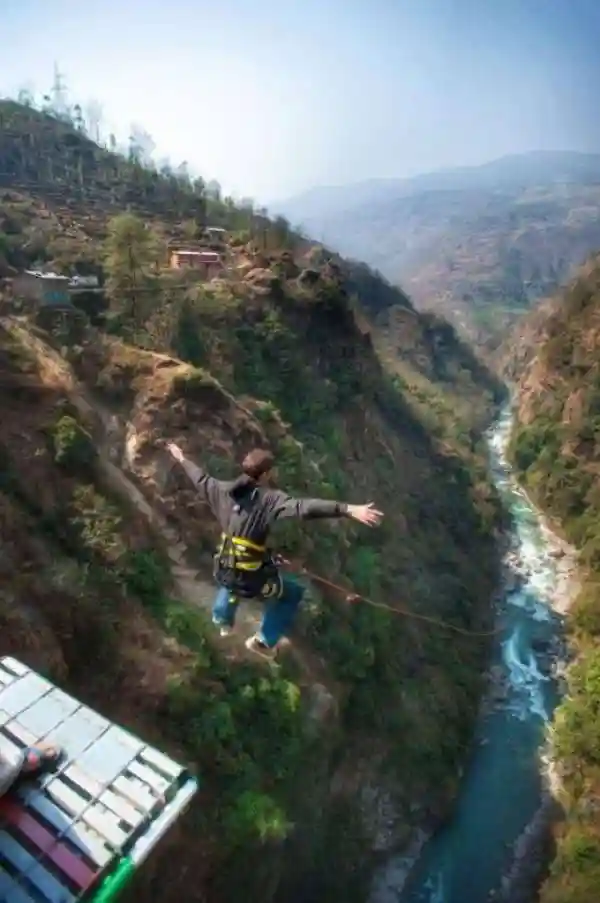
column 244, row 567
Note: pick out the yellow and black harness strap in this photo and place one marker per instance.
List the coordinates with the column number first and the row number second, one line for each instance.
column 240, row 554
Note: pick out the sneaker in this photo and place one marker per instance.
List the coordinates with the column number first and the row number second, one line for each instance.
column 256, row 645
column 224, row 629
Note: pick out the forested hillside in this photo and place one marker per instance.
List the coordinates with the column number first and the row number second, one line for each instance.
column 556, row 450
column 361, row 731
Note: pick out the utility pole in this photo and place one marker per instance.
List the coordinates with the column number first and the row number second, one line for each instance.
column 58, row 93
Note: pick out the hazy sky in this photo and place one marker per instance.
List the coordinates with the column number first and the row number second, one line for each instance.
column 274, row 96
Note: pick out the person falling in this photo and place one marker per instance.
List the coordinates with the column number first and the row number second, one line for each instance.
column 246, row 509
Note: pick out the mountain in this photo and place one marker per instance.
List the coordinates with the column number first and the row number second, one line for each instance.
column 363, row 729
column 478, row 244
column 555, row 447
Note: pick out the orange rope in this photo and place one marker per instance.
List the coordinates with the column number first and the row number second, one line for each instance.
column 397, row 610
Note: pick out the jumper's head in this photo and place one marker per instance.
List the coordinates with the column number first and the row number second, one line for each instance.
column 259, row 464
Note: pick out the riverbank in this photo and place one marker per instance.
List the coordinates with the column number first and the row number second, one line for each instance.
column 498, row 840
column 568, row 569
column 534, row 849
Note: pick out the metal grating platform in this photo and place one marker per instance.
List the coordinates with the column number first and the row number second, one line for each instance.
column 77, row 834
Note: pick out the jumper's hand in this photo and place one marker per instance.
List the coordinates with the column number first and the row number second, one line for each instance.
column 365, row 514
column 175, row 451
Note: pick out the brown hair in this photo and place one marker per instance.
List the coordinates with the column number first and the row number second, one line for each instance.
column 257, row 462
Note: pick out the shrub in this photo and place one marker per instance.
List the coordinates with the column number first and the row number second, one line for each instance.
column 72, row 445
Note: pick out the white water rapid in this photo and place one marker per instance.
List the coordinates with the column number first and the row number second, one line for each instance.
column 466, row 860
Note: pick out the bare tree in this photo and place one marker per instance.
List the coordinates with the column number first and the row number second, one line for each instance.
column 93, row 117
column 213, row 190
column 182, row 173
column 141, row 145
column 165, row 167
column 78, row 118
column 25, row 96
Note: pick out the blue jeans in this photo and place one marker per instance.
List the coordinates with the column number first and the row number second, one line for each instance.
column 280, row 613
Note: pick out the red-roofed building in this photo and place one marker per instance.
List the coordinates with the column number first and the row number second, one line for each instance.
column 208, row 263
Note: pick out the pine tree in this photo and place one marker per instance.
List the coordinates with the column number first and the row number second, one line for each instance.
column 131, row 262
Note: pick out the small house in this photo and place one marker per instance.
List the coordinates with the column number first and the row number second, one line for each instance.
column 215, row 235
column 43, row 289
column 208, row 264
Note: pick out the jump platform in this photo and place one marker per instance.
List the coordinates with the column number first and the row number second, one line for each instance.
column 77, row 835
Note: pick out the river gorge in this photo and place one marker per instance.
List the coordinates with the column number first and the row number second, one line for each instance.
column 484, row 850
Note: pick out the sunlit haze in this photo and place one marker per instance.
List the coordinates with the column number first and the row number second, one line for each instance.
column 272, row 97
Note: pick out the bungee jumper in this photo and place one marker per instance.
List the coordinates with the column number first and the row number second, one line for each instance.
column 246, row 509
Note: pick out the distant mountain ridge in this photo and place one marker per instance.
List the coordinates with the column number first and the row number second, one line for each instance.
column 478, row 244
column 551, row 166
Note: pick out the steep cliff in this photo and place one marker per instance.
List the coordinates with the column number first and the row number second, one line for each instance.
column 555, row 448
column 357, row 738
